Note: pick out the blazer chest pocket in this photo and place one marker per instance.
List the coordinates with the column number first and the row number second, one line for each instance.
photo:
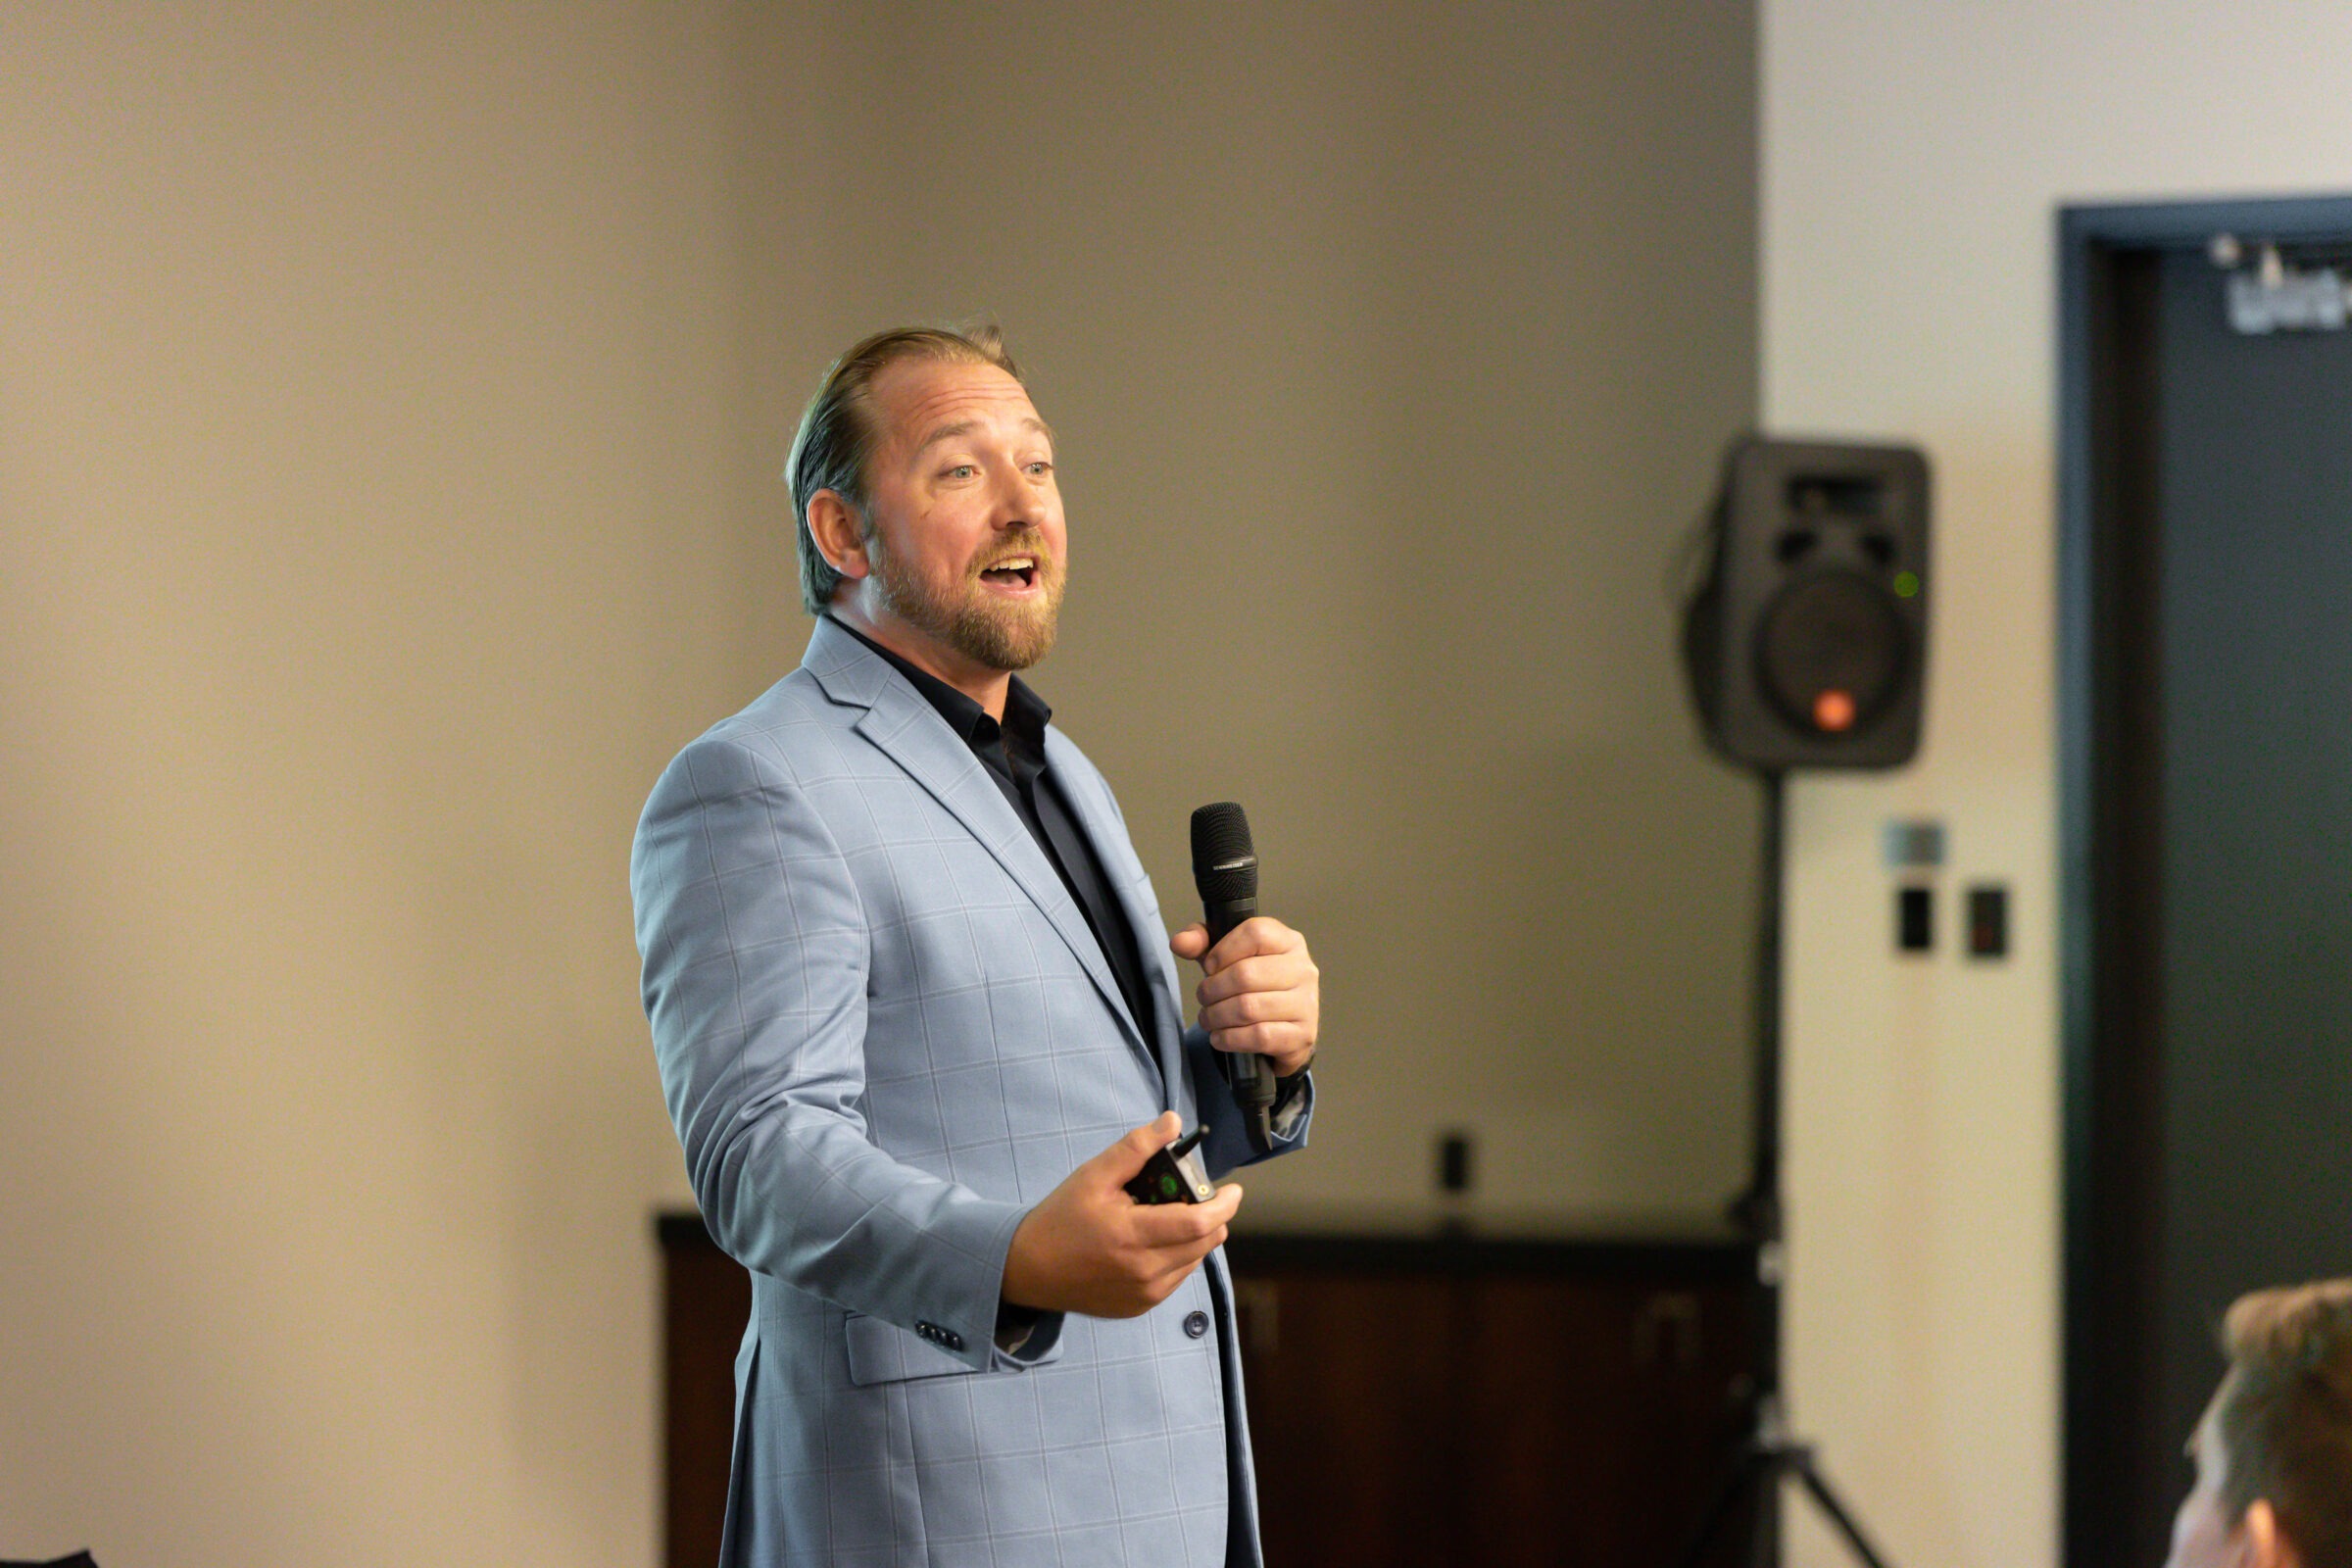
column 884, row 1352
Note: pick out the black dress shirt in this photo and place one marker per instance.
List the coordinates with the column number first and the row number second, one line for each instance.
column 1014, row 754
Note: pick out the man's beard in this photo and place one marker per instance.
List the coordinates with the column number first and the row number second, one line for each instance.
column 998, row 633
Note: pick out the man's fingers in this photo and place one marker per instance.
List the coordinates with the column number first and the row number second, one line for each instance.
column 1263, row 971
column 1174, row 1234
column 1251, row 1008
column 1259, row 994
column 1190, row 942
column 1274, row 1039
column 1164, row 1225
column 1158, row 1262
column 1164, row 1284
column 1124, row 1158
column 1259, row 934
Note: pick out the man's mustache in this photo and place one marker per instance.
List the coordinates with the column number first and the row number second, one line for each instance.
column 1028, row 542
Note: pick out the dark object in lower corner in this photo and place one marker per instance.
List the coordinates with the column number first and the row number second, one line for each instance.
column 80, row 1559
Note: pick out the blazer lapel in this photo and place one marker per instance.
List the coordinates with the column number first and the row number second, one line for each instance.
column 1083, row 788
column 901, row 724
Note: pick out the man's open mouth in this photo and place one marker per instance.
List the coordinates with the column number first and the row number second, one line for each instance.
column 1013, row 571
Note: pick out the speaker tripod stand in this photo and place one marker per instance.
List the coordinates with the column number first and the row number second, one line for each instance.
column 1767, row 1456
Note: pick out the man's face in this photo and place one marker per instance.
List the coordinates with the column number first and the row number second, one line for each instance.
column 968, row 548
column 2203, row 1533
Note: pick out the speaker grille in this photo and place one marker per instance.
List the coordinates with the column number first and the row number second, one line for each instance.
column 1832, row 651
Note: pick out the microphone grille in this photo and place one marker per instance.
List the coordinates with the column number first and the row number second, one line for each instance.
column 1224, row 860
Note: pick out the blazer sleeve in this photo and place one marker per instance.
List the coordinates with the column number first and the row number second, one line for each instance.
column 756, row 958
column 1227, row 1148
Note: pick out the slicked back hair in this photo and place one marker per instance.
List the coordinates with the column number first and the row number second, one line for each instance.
column 2284, row 1414
column 837, row 433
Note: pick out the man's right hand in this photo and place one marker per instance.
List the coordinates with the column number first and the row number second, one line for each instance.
column 1091, row 1247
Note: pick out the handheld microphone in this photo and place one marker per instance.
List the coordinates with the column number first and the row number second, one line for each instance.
column 1225, row 870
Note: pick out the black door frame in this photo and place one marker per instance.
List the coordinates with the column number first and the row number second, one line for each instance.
column 2110, row 735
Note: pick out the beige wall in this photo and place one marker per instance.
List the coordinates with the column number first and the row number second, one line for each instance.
column 1391, row 349
column 390, row 399
column 1913, row 160
column 374, row 476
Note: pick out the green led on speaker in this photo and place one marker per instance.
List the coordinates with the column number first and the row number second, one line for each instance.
column 1906, row 585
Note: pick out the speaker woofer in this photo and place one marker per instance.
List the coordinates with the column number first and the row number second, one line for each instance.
column 1829, row 651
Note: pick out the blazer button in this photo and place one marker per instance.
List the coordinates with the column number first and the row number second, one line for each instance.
column 1195, row 1324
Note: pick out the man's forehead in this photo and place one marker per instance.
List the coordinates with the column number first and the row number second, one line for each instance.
column 920, row 397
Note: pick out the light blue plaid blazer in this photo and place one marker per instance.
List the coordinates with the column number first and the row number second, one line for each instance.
column 885, row 1032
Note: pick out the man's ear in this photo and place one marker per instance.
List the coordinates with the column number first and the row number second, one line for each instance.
column 840, row 537
column 2261, row 1543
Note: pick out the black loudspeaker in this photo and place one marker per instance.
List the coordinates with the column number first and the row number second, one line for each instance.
column 1807, row 642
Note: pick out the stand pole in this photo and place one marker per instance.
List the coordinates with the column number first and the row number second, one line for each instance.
column 1767, row 1456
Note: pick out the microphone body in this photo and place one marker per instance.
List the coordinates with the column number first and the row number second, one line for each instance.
column 1225, row 870
column 1221, row 915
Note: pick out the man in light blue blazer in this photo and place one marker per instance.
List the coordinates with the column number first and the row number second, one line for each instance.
column 917, row 1028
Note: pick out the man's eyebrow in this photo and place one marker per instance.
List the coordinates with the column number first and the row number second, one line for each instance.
column 949, row 432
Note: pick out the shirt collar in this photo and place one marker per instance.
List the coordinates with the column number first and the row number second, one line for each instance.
column 1025, row 712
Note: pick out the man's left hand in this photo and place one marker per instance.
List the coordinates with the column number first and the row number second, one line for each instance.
column 1259, row 991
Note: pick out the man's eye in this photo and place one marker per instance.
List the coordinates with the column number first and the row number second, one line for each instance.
column 1041, row 466
column 960, row 470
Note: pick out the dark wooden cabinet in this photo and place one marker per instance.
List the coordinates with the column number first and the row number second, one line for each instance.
column 1442, row 1398
column 1453, row 1399
column 705, row 1303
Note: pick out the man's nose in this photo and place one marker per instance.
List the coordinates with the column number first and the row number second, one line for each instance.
column 1015, row 503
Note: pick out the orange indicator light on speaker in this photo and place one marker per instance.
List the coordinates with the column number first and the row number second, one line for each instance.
column 1834, row 711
